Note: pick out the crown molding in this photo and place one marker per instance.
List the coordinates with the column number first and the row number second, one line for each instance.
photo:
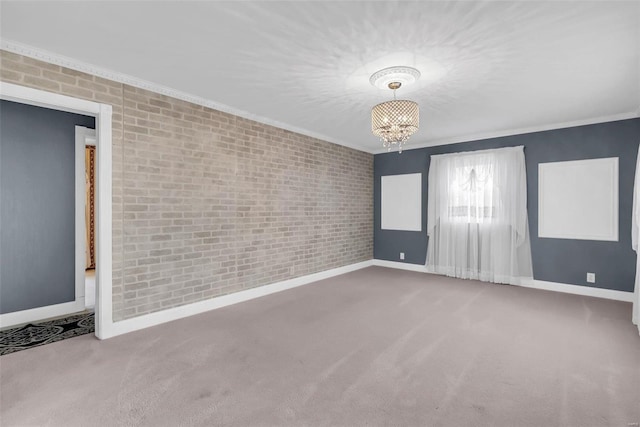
column 517, row 131
column 67, row 62
column 74, row 64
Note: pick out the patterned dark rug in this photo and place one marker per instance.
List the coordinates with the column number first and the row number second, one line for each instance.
column 33, row 335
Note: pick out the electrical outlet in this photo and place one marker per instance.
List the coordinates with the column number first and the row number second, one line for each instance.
column 401, row 255
column 292, row 271
column 591, row 277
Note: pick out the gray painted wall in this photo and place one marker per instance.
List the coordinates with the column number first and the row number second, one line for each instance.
column 554, row 260
column 37, row 213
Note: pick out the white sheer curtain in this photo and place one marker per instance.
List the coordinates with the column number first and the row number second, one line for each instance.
column 477, row 216
column 635, row 237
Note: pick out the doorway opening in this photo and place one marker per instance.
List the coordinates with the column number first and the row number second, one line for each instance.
column 100, row 297
column 86, row 211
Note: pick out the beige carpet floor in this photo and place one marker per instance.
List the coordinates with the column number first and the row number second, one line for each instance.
column 373, row 347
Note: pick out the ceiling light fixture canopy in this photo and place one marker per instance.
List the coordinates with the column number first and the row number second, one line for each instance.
column 395, row 121
column 403, row 75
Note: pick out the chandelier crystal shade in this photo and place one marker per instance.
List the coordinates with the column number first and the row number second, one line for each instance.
column 395, row 121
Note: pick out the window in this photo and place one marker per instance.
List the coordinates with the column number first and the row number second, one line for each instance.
column 471, row 194
column 477, row 216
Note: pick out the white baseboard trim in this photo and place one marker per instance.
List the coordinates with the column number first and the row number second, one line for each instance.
column 579, row 290
column 400, row 265
column 157, row 318
column 536, row 284
column 41, row 313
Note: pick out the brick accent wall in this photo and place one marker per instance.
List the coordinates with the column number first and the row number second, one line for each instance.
column 207, row 203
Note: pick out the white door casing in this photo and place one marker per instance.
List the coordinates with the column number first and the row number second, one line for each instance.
column 103, row 140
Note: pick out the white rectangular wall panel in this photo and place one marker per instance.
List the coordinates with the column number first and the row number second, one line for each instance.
column 401, row 198
column 578, row 199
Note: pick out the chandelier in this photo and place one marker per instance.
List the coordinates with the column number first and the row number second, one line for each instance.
column 395, row 121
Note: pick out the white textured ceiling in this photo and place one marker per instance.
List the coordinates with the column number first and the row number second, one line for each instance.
column 489, row 68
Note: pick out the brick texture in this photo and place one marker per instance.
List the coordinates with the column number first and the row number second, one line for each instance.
column 207, row 203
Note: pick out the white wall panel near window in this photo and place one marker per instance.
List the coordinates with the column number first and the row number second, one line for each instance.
column 578, row 199
column 401, row 200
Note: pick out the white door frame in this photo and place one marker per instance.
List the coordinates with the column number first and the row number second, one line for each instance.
column 102, row 113
column 84, row 137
